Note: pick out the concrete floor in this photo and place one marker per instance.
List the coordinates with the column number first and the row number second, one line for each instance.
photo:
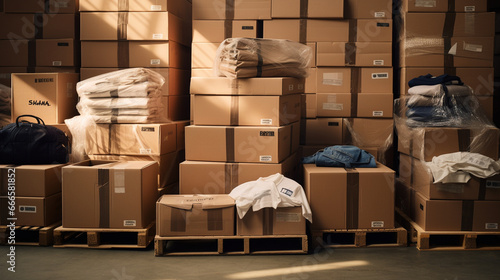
column 349, row 263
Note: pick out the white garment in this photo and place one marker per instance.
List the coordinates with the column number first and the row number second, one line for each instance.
column 458, row 167
column 272, row 191
column 134, row 90
column 119, row 103
column 433, row 91
column 122, row 119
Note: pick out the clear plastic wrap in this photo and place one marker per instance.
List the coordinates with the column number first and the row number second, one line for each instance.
column 5, row 95
column 246, row 58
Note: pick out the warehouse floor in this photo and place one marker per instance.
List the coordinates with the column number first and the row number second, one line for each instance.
column 356, row 263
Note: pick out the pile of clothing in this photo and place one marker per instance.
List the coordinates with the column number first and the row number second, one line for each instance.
column 4, row 105
column 125, row 96
column 247, row 58
column 341, row 156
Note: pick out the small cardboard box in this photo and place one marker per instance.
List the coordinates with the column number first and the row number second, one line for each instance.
column 245, row 110
column 201, row 177
column 327, row 30
column 373, row 54
column 32, row 211
column 32, row 180
column 221, row 9
column 368, row 9
column 57, row 52
column 269, row 221
column 180, row 8
column 250, row 86
column 109, row 194
column 195, row 215
column 240, row 144
column 361, row 198
column 315, row 9
column 322, row 131
column 50, row 96
column 486, row 216
column 370, row 105
column 216, row 31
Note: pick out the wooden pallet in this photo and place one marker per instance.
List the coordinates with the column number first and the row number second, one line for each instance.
column 30, row 235
column 449, row 240
column 231, row 245
column 103, row 238
column 354, row 238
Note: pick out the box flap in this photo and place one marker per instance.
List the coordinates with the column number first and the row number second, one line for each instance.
column 186, row 202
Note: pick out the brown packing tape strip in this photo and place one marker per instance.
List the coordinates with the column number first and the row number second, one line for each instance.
column 353, row 30
column 227, row 178
column 32, row 53
column 303, row 31
column 103, row 189
column 467, row 215
column 123, row 54
column 177, row 220
column 214, row 219
column 412, row 164
column 411, row 147
column 123, row 5
column 350, row 54
column 234, row 176
column 304, row 8
column 352, row 198
column 450, row 70
column 464, row 140
column 355, row 87
column 230, row 144
column 235, row 110
column 451, row 6
column 482, row 189
column 39, row 23
column 122, row 26
column 234, row 86
column 267, row 226
column 228, row 29
column 449, row 27
column 230, row 9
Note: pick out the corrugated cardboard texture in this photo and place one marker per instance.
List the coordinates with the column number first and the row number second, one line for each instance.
column 33, row 180
column 57, row 52
column 379, row 9
column 180, row 8
column 34, row 211
column 229, row 9
column 269, row 221
column 251, row 86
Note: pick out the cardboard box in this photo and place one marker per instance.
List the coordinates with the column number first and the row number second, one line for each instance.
column 153, row 26
column 201, row 177
column 57, row 26
column 245, row 110
column 180, row 8
column 18, row 26
column 376, row 54
column 368, row 132
column 221, row 9
column 20, row 54
column 375, row 80
column 37, row 6
column 443, row 6
column 33, row 180
column 168, row 164
column 109, row 194
column 373, row 30
column 50, row 96
column 314, row 9
column 414, row 173
column 322, row 131
column 426, row 143
column 310, row 82
column 195, row 215
column 333, row 80
column 203, row 55
column 354, row 80
column 250, row 86
column 33, row 211
column 327, row 31
column 176, row 80
column 5, row 74
column 216, row 31
column 433, row 215
column 486, row 216
column 362, row 198
column 134, row 54
column 239, row 144
column 372, row 105
column 366, row 9
column 269, row 221
column 309, row 108
column 56, row 69
column 57, row 52
column 286, row 29
column 38, row 26
column 332, row 54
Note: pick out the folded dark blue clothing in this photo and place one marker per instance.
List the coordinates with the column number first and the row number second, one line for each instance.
column 430, row 80
column 428, row 114
column 342, row 156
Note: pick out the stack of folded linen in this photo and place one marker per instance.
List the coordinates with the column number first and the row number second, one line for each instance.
column 246, row 58
column 4, row 105
column 125, row 96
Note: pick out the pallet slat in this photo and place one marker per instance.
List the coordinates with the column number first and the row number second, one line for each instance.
column 31, row 236
column 356, row 238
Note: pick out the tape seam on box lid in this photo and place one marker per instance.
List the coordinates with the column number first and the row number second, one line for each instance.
column 122, row 26
column 38, row 21
column 123, row 5
column 230, row 144
column 230, row 9
column 355, row 86
column 227, row 178
column 448, row 30
column 235, row 110
column 123, row 54
column 464, row 136
column 103, row 190
column 353, row 30
column 31, row 53
column 482, row 189
column 303, row 31
column 234, row 176
column 451, row 6
column 467, row 215
column 352, row 198
column 228, row 29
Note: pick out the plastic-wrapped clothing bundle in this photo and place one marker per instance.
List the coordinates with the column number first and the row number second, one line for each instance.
column 342, row 156
column 246, row 58
column 125, row 96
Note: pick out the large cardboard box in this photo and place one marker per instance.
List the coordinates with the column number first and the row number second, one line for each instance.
column 33, row 211
column 366, row 9
column 176, row 80
column 433, row 215
column 486, row 216
column 369, row 132
column 373, row 54
column 250, row 86
column 371, row 105
column 216, row 31
column 269, row 221
column 222, row 9
column 133, row 26
column 109, row 194
column 180, row 8
column 18, row 53
column 57, row 52
column 37, row 6
column 201, row 177
column 310, row 81
column 373, row 30
column 360, row 198
column 414, row 173
column 327, row 30
column 314, row 9
column 38, row 26
column 322, row 131
column 426, row 143
column 354, row 80
column 195, row 215
column 245, row 110
column 50, row 96
column 32, row 180
column 286, row 29
column 203, row 55
column 240, row 144
column 124, row 54
column 444, row 6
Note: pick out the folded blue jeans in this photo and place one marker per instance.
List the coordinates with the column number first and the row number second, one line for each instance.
column 342, row 156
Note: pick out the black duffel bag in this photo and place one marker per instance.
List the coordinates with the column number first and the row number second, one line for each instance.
column 24, row 142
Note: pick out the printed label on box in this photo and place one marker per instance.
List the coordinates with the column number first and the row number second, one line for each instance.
column 27, row 209
column 247, row 27
column 378, row 76
column 491, row 226
column 378, row 62
column 333, row 106
column 377, row 224
column 333, row 79
column 266, row 121
column 157, row 36
column 145, row 151
column 129, row 223
column 266, row 158
column 473, row 48
column 425, row 3
column 378, row 113
column 119, row 190
column 56, row 63
column 61, row 4
column 155, row 61
column 380, row 14
column 155, row 7
column 470, row 9
column 493, row 184
column 287, row 217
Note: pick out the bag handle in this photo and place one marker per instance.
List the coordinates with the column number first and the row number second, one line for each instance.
column 39, row 120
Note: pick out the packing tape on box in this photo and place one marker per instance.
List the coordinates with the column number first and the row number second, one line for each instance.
column 482, row 189
column 214, row 219
column 103, row 189
column 352, row 198
column 467, row 215
column 123, row 54
column 230, row 144
column 235, row 110
column 303, row 31
column 177, row 220
column 122, row 26
column 228, row 29
column 32, row 53
column 230, row 177
column 123, row 5
column 464, row 136
column 230, row 9
column 267, row 226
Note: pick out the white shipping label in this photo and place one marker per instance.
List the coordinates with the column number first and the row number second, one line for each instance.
column 425, row 3
column 266, row 158
column 119, row 189
column 473, row 47
column 288, row 217
column 129, row 223
column 333, row 106
column 490, row 226
column 378, row 113
column 145, row 151
column 493, row 184
column 333, row 79
column 56, row 63
column 155, row 61
column 470, row 9
column 119, row 180
column 380, row 14
column 266, row 121
column 378, row 62
column 380, row 76
column 27, row 209
column 157, row 36
column 377, row 224
column 155, row 7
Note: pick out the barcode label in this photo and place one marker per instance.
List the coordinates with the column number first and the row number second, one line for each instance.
column 119, row 190
column 145, row 151
column 470, row 8
column 157, row 36
column 129, row 223
column 493, row 226
column 473, row 48
column 377, row 224
column 378, row 113
column 425, row 3
column 155, row 61
column 380, row 14
column 266, row 121
column 27, row 209
column 287, row 217
column 378, row 62
column 56, row 63
column 377, row 76
column 266, row 158
column 61, row 4
column 155, row 7
column 493, row 184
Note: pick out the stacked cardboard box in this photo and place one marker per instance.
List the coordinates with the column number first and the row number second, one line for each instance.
column 152, row 34
column 38, row 36
column 37, row 193
column 448, row 36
